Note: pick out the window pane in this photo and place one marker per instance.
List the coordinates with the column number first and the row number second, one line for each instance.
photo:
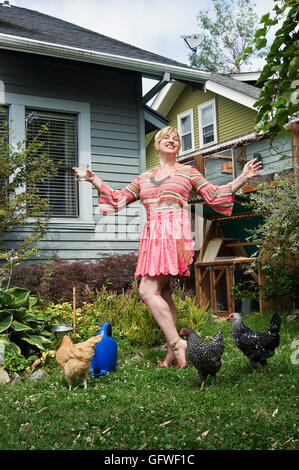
column 208, row 134
column 207, row 115
column 185, row 125
column 3, row 121
column 60, row 146
column 186, row 142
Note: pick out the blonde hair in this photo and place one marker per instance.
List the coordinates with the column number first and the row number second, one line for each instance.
column 167, row 130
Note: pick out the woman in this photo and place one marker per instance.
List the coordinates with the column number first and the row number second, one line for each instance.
column 166, row 244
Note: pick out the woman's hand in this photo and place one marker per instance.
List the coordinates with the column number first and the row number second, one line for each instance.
column 251, row 168
column 90, row 176
column 249, row 171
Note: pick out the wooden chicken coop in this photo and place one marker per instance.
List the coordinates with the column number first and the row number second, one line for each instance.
column 222, row 259
column 225, row 255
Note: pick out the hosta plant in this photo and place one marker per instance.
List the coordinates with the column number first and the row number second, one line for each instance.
column 20, row 326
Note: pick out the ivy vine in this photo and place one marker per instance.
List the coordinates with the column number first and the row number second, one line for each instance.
column 279, row 97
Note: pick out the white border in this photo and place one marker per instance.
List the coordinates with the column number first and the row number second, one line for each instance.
column 231, row 94
column 188, row 112
column 200, row 107
column 17, row 104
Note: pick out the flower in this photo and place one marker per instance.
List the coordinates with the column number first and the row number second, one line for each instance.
column 12, row 255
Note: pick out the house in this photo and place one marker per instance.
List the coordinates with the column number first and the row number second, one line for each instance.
column 216, row 122
column 88, row 89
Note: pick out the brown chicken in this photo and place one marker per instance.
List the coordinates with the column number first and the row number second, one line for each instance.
column 75, row 359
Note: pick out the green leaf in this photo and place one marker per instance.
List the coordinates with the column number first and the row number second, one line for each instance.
column 265, row 18
column 260, row 43
column 36, row 341
column 31, row 318
column 293, row 66
column 275, row 68
column 5, row 298
column 17, row 326
column 21, row 296
column 248, row 50
column 277, row 103
column 282, row 133
column 5, row 322
column 260, row 32
column 15, row 348
column 32, row 301
column 18, row 313
column 5, row 339
column 281, row 116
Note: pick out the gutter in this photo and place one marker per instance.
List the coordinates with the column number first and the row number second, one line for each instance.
column 148, row 68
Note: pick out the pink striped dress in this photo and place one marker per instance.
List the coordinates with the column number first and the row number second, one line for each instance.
column 166, row 242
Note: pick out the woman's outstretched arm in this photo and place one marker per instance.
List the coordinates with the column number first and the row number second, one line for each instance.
column 250, row 169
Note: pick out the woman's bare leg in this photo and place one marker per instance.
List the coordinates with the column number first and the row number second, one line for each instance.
column 150, row 289
column 166, row 294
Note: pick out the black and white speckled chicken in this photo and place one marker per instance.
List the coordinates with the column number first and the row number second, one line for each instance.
column 256, row 346
column 206, row 357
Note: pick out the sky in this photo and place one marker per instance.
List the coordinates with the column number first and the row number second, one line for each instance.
column 153, row 25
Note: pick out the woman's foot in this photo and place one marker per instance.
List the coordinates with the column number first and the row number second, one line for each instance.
column 169, row 359
column 179, row 349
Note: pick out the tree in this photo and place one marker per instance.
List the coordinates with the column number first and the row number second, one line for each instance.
column 23, row 167
column 227, row 36
column 279, row 97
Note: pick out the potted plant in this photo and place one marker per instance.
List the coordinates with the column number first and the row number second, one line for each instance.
column 247, row 292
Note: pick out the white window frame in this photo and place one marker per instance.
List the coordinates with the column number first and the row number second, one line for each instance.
column 200, row 108
column 17, row 104
column 189, row 112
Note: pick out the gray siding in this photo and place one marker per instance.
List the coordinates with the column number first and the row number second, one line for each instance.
column 114, row 98
column 276, row 157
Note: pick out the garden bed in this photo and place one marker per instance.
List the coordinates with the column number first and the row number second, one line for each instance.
column 141, row 406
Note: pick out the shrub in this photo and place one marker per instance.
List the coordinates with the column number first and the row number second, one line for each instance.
column 54, row 281
column 128, row 314
column 278, row 259
column 20, row 327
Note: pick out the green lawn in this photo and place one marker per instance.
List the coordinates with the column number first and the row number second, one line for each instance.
column 141, row 406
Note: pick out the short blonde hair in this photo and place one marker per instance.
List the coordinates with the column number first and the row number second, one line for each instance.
column 167, row 130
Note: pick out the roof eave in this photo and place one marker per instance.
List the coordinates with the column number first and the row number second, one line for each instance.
column 150, row 68
column 234, row 95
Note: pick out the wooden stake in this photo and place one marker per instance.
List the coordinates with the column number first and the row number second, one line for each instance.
column 74, row 314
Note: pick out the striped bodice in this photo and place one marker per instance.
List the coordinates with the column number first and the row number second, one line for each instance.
column 173, row 191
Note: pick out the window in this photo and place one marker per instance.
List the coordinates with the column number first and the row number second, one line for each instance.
column 61, row 147
column 207, row 123
column 185, row 127
column 68, row 141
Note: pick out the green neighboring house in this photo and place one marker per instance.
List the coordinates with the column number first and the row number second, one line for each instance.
column 216, row 121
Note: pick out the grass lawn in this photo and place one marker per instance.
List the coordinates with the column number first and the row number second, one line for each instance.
column 141, row 406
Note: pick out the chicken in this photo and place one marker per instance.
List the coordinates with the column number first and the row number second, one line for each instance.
column 256, row 346
column 75, row 359
column 206, row 357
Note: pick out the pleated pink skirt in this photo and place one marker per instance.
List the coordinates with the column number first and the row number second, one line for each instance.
column 166, row 244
